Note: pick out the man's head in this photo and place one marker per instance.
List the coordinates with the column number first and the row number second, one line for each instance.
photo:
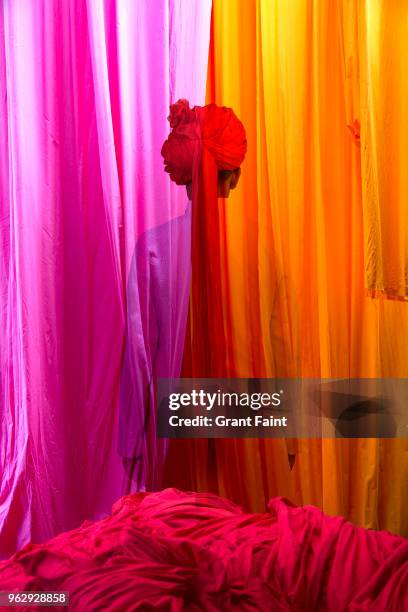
column 210, row 131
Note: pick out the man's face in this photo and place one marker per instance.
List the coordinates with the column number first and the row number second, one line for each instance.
column 227, row 180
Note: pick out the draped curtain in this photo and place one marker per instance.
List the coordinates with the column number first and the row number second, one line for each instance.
column 303, row 76
column 85, row 88
column 384, row 134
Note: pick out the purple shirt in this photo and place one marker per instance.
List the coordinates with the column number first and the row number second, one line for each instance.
column 157, row 307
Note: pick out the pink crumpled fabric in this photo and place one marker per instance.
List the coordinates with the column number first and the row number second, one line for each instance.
column 196, row 551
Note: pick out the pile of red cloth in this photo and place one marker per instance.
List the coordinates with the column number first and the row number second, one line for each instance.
column 194, row 551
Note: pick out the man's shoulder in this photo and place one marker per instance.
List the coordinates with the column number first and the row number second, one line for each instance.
column 162, row 236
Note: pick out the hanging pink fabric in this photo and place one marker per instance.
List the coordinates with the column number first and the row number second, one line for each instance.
column 85, row 88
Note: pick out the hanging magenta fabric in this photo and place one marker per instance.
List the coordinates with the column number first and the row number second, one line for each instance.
column 84, row 92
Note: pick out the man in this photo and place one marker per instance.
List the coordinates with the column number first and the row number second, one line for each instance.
column 204, row 152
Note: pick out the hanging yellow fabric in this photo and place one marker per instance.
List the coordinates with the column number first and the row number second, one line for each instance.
column 292, row 246
column 383, row 31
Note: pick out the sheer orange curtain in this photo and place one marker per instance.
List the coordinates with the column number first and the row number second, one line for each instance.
column 292, row 246
column 384, row 134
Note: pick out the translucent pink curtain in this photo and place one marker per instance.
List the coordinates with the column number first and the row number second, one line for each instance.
column 84, row 93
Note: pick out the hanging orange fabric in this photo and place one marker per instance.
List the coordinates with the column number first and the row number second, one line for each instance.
column 293, row 247
column 384, row 139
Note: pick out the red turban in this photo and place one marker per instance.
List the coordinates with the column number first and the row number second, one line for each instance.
column 204, row 140
column 211, row 128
